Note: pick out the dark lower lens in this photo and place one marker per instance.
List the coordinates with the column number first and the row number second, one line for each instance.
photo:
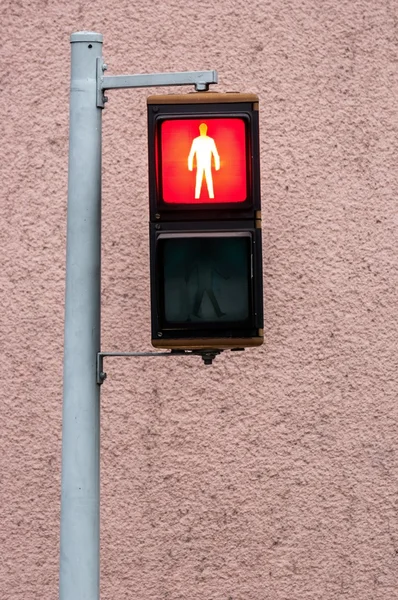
column 206, row 279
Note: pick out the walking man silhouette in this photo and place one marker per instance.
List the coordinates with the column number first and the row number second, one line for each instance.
column 205, row 268
column 204, row 148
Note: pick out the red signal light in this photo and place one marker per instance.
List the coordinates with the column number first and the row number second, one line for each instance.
column 203, row 161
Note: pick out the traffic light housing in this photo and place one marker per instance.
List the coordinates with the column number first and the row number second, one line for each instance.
column 205, row 221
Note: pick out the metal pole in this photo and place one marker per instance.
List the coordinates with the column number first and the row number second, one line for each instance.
column 79, row 560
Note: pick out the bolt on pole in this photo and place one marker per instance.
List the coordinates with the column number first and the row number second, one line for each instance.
column 79, row 557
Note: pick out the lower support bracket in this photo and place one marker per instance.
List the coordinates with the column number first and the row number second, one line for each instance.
column 207, row 355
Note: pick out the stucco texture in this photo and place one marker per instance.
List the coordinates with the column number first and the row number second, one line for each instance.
column 272, row 474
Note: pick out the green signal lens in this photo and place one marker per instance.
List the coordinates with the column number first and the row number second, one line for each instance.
column 206, row 279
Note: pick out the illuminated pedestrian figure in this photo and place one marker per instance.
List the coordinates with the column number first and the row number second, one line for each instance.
column 205, row 268
column 204, row 148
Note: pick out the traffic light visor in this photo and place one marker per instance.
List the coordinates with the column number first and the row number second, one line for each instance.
column 202, row 161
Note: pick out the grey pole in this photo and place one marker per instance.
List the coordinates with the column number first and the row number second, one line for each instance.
column 79, row 558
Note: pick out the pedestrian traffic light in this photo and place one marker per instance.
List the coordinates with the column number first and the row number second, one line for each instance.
column 205, row 221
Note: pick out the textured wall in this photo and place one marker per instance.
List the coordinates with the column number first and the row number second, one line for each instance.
column 270, row 475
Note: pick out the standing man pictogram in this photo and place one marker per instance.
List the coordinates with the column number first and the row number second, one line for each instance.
column 204, row 148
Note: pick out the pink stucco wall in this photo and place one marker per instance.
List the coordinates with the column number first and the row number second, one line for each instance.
column 271, row 475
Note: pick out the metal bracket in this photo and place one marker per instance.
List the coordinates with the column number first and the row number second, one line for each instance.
column 207, row 355
column 200, row 79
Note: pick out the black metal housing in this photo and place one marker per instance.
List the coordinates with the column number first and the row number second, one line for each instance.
column 172, row 219
column 247, row 329
column 160, row 210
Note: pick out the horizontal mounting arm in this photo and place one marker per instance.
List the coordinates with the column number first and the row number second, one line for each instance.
column 207, row 355
column 200, row 79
